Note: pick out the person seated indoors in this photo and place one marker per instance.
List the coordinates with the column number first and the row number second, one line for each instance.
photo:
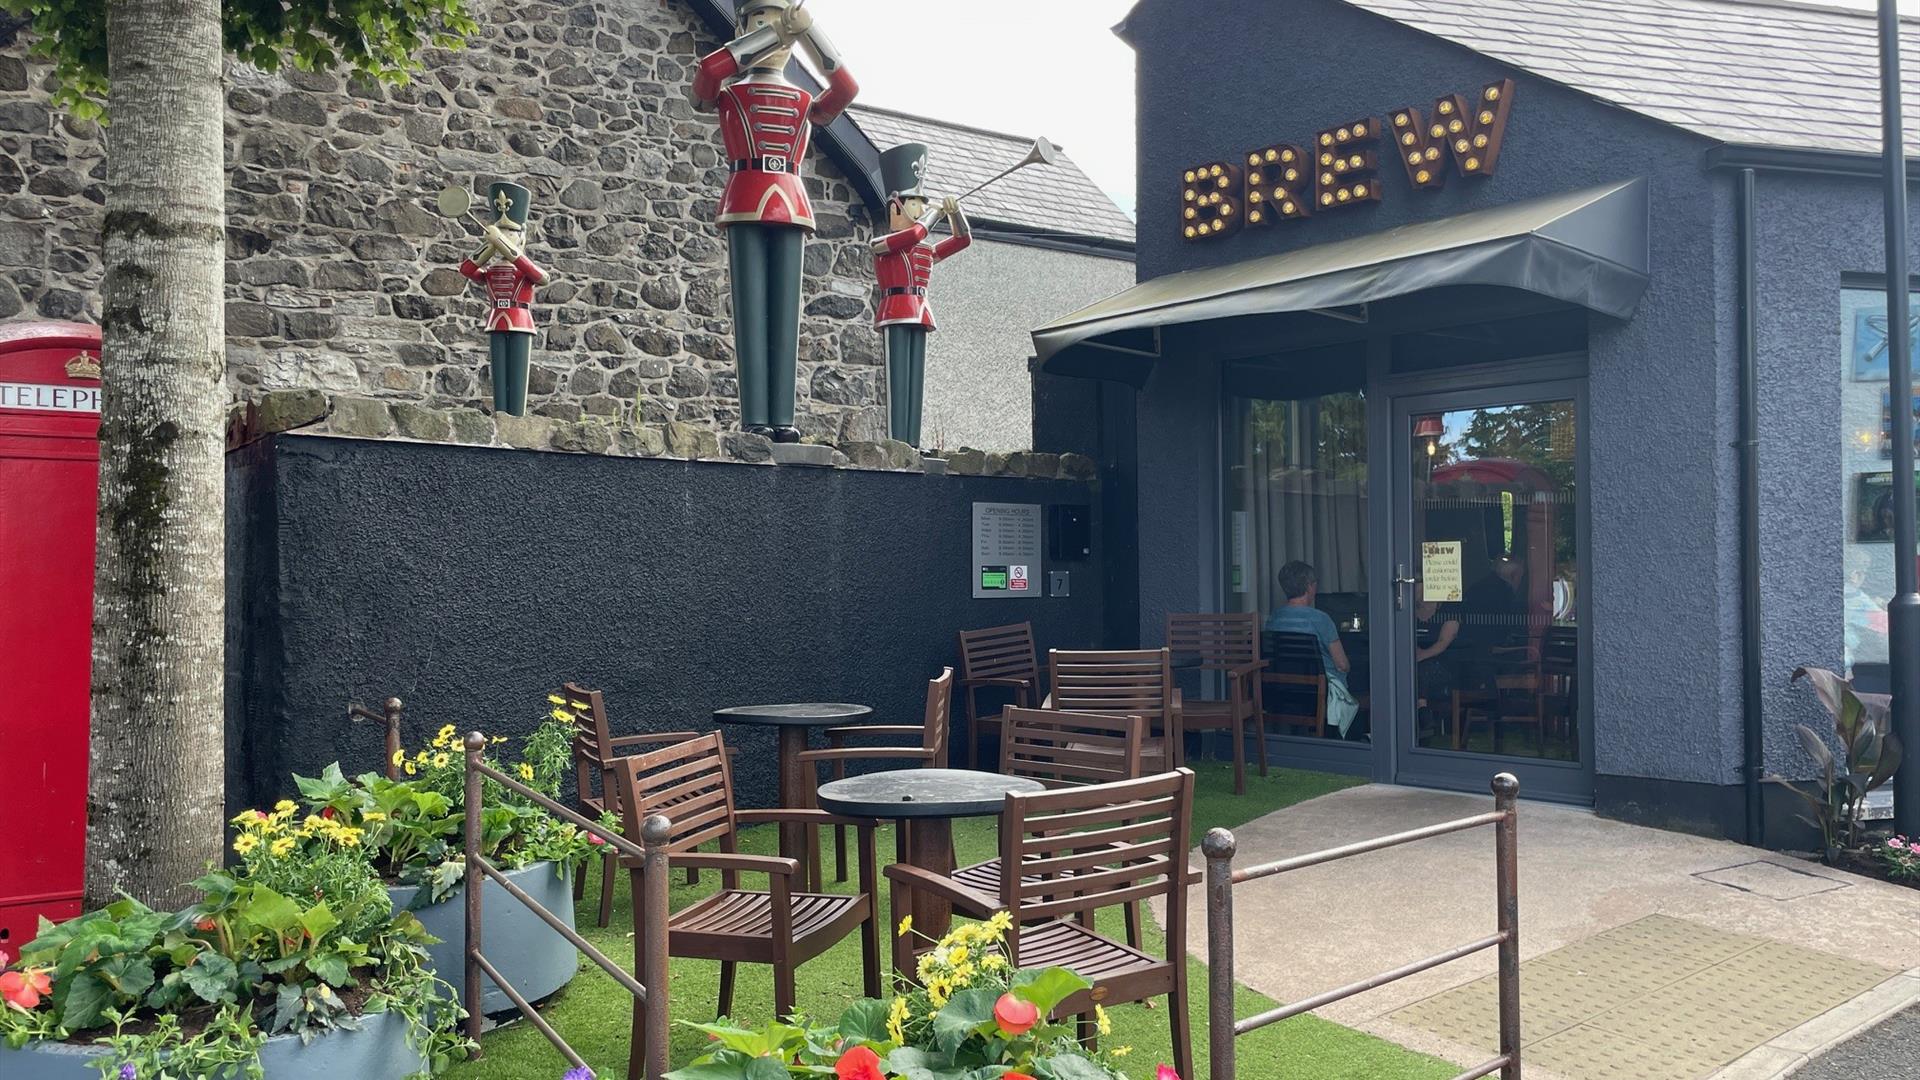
column 1301, row 585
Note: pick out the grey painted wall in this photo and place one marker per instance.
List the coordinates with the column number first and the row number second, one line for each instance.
column 471, row 582
column 1665, row 549
column 987, row 299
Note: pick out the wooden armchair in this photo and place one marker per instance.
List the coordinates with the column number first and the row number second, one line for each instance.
column 1061, row 750
column 1130, row 682
column 1080, row 850
column 1294, row 686
column 692, row 784
column 998, row 658
column 595, row 751
column 1228, row 643
column 931, row 753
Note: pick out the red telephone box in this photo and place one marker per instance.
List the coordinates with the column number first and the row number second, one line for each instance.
column 49, row 470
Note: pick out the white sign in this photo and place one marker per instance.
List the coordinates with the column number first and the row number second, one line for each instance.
column 1441, row 579
column 1017, row 578
column 1006, row 549
column 42, row 397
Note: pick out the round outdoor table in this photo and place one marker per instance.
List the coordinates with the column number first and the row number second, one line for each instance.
column 794, row 722
column 923, row 804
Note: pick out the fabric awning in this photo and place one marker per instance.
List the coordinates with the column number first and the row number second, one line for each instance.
column 1586, row 247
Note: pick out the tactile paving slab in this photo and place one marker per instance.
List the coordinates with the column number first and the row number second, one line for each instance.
column 1656, row 999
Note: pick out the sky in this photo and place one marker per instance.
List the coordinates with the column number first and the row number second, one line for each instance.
column 1024, row 67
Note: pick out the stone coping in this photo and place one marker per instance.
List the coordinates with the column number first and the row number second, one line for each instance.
column 312, row 412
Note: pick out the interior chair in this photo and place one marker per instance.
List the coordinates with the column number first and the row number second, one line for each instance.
column 1127, row 682
column 995, row 658
column 691, row 783
column 930, row 752
column 1227, row 643
column 1294, row 685
column 1077, row 851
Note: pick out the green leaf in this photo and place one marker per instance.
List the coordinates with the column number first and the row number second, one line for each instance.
column 913, row 1063
column 1046, row 988
column 214, row 978
column 85, row 1001
column 767, row 1068
column 865, row 1021
column 318, row 920
column 331, row 968
column 271, row 910
column 1071, row 1067
column 961, row 1015
column 709, row 1070
column 129, row 974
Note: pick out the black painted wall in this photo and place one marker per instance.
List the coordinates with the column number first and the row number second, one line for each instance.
column 471, row 581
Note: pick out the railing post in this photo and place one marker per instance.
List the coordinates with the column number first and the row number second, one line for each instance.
column 1506, row 797
column 1219, row 847
column 654, row 834
column 475, row 882
column 393, row 708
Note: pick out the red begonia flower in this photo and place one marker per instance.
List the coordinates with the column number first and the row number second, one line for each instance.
column 859, row 1063
column 1014, row 1016
column 1015, row 1076
column 25, row 988
column 1164, row 1073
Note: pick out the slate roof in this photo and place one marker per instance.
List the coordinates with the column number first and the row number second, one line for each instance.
column 1060, row 200
column 1773, row 74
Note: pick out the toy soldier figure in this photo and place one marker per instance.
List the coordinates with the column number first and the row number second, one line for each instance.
column 765, row 123
column 510, row 277
column 903, row 261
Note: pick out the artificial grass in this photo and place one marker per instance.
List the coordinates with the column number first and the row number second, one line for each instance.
column 594, row 1014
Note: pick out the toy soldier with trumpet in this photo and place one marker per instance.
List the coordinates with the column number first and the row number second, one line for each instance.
column 903, row 262
column 765, row 123
column 510, row 277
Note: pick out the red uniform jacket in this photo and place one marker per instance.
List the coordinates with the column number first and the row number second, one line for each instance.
column 903, row 262
column 509, row 290
column 765, row 123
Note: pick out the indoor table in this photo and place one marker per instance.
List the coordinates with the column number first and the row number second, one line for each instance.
column 923, row 803
column 794, row 723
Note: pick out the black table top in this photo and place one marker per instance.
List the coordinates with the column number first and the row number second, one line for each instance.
column 922, row 793
column 799, row 714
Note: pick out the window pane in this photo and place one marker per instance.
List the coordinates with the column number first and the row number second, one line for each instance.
column 1866, row 466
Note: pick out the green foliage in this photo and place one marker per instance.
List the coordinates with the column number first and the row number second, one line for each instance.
column 379, row 39
column 1870, row 755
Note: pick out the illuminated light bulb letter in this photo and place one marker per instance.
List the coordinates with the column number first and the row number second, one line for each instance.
column 1212, row 200
column 1347, row 164
column 1280, row 184
column 1466, row 128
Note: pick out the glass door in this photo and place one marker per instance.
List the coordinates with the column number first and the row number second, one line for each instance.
column 1490, row 634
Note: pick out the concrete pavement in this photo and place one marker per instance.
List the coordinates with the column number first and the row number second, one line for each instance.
column 1662, row 917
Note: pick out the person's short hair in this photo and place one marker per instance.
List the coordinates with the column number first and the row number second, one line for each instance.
column 1296, row 578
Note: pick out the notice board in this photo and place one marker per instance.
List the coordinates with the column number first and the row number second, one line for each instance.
column 1006, row 550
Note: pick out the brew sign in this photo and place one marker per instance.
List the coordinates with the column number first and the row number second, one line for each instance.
column 1341, row 167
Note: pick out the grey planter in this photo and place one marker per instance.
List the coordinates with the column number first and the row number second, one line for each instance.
column 377, row 1051
column 533, row 956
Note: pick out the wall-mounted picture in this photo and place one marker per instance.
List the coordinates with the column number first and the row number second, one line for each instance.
column 1865, row 329
column 1873, row 507
column 1886, row 422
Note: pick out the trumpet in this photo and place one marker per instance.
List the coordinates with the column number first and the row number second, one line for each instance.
column 1041, row 152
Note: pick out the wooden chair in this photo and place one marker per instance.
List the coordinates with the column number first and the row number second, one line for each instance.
column 1129, row 682
column 1081, row 850
column 1001, row 658
column 1229, row 643
column 1062, row 750
column 692, row 784
column 931, row 753
column 1294, row 686
column 595, row 750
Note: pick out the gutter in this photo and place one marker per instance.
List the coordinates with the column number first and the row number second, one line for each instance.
column 1750, row 157
column 1753, row 735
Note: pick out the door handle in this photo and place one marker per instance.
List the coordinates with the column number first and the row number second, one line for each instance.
column 1400, row 583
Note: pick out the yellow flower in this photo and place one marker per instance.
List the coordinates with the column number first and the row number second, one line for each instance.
column 1100, row 1021
column 372, row 816
column 399, row 756
column 580, row 705
column 497, row 740
column 526, row 772
column 957, row 955
column 245, row 843
column 563, row 716
column 284, row 806
column 1121, row 1051
column 906, row 926
column 556, row 699
column 1000, row 923
column 939, row 990
column 439, row 761
column 282, row 847
column 993, row 961
column 446, row 733
column 410, row 769
column 897, row 1019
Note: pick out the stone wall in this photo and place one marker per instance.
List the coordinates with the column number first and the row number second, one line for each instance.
column 343, row 304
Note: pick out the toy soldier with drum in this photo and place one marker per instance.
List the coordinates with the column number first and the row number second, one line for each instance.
column 510, row 277
column 765, row 123
column 903, row 262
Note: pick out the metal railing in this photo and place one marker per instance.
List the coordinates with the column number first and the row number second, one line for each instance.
column 389, row 718
column 649, row 990
column 1219, row 847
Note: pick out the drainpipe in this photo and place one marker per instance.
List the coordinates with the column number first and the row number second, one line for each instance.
column 1754, row 760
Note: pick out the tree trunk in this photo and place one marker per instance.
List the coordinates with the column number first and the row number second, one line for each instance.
column 155, row 807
